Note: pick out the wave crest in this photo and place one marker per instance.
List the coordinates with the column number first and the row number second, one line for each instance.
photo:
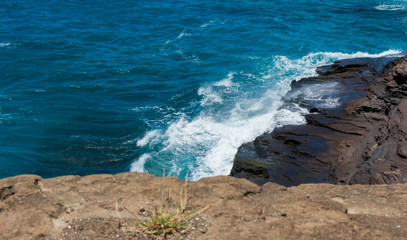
column 389, row 7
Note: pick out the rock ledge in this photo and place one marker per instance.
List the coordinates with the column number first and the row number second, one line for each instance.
column 98, row 207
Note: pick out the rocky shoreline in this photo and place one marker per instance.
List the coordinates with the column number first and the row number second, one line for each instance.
column 360, row 140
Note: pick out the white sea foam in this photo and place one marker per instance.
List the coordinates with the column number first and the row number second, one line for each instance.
column 226, row 82
column 285, row 117
column 9, row 45
column 138, row 165
column 183, row 34
column 215, row 140
column 188, row 56
column 389, row 7
column 207, row 143
column 180, row 36
column 4, row 117
column 322, row 94
column 209, row 96
column 209, row 23
column 5, row 44
column 175, row 46
column 284, row 64
column 150, row 137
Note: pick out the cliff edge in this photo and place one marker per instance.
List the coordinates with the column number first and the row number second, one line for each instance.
column 110, row 207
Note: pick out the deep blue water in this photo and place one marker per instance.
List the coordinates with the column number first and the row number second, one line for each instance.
column 97, row 86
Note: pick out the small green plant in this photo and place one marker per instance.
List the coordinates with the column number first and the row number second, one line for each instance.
column 163, row 222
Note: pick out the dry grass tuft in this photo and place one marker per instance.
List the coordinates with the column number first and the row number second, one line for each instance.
column 163, row 222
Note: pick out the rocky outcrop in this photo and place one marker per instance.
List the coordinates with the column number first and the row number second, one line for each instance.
column 355, row 132
column 110, row 206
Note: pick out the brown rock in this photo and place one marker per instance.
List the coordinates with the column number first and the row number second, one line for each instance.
column 98, row 207
column 400, row 73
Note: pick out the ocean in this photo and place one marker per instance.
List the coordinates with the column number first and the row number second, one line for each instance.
column 95, row 86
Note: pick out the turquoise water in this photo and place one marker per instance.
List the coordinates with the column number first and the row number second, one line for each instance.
column 111, row 86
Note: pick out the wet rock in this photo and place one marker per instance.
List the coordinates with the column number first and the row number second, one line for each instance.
column 360, row 139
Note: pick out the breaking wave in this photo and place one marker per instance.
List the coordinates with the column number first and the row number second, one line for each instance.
column 235, row 109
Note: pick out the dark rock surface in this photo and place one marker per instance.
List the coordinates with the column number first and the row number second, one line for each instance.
column 356, row 131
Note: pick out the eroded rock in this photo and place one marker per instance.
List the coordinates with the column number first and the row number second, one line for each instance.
column 111, row 207
column 360, row 139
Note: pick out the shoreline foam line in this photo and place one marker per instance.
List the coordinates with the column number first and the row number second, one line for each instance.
column 206, row 144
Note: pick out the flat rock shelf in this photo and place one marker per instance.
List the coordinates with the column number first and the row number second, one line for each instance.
column 110, row 207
